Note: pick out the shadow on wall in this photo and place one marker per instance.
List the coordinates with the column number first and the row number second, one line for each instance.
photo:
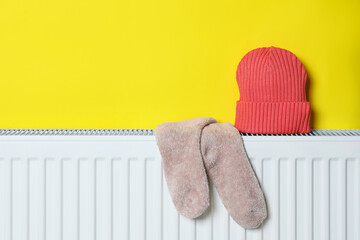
column 307, row 90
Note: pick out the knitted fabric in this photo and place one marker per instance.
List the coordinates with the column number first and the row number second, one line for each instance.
column 272, row 93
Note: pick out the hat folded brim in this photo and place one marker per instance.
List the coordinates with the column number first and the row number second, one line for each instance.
column 273, row 117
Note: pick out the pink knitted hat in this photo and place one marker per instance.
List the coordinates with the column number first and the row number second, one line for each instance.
column 272, row 93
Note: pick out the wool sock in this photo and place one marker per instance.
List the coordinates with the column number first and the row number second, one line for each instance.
column 179, row 145
column 228, row 167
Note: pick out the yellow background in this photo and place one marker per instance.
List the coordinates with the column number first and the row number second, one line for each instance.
column 137, row 63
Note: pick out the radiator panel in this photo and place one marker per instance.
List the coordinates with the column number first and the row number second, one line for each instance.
column 113, row 187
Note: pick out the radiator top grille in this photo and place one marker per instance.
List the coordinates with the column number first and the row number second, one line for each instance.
column 86, row 132
column 315, row 132
column 150, row 132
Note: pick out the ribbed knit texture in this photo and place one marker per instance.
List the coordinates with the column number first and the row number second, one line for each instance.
column 272, row 93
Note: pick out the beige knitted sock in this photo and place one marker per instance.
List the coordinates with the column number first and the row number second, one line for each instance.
column 179, row 145
column 228, row 167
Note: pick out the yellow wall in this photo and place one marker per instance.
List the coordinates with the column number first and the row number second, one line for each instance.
column 137, row 63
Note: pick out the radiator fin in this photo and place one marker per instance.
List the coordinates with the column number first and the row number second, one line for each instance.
column 81, row 188
column 112, row 198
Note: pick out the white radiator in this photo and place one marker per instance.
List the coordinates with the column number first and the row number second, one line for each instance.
column 108, row 185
